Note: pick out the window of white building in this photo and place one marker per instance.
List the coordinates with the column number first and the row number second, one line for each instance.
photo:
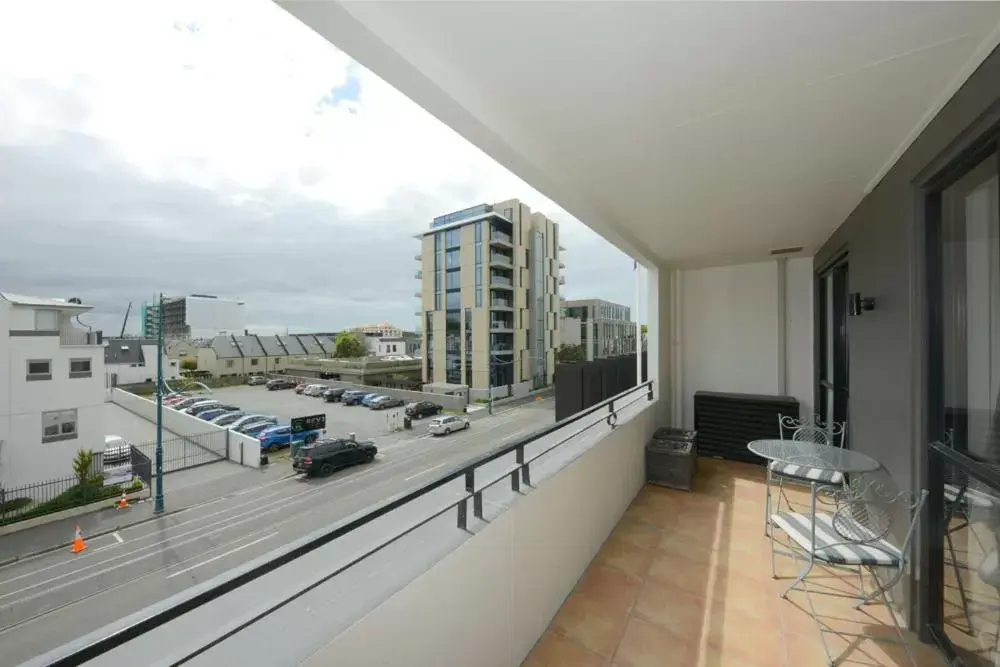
column 58, row 425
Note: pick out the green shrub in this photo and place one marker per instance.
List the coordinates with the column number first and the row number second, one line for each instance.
column 90, row 491
column 14, row 504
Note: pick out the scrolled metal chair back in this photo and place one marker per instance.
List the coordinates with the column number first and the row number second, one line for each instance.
column 868, row 509
column 836, row 432
column 811, row 433
column 789, row 425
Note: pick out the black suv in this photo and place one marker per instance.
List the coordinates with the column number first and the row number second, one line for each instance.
column 422, row 409
column 324, row 456
column 280, row 383
column 333, row 394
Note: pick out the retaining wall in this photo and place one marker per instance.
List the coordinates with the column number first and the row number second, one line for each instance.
column 193, row 428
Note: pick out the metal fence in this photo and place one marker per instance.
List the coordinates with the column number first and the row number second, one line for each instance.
column 40, row 498
column 195, row 450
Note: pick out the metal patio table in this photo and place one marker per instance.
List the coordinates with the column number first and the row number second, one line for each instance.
column 814, row 455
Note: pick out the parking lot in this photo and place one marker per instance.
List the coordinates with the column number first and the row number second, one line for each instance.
column 285, row 404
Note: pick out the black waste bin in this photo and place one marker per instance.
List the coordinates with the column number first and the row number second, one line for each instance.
column 407, row 422
column 672, row 458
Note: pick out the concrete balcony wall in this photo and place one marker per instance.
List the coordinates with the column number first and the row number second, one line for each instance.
column 487, row 602
column 746, row 328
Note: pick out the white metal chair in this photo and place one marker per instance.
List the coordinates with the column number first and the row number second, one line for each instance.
column 803, row 430
column 855, row 534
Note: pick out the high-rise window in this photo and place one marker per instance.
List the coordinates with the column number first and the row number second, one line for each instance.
column 468, row 347
column 429, row 351
column 479, row 265
column 453, row 259
column 453, row 238
column 453, row 346
column 453, row 280
column 453, row 300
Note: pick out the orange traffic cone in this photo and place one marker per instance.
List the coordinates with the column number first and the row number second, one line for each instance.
column 123, row 503
column 78, row 544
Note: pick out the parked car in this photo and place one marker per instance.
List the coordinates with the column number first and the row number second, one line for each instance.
column 422, row 409
column 281, row 436
column 117, row 451
column 254, row 429
column 199, row 410
column 314, row 390
column 209, row 415
column 385, row 402
column 204, row 404
column 251, row 419
column 185, row 403
column 228, row 418
column 299, row 388
column 324, row 456
column 256, row 380
column 333, row 394
column 367, row 399
column 353, row 396
column 280, row 383
column 446, row 425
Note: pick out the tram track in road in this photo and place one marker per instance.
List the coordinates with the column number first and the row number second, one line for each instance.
column 225, row 519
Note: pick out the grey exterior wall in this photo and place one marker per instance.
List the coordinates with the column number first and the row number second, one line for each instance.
column 884, row 237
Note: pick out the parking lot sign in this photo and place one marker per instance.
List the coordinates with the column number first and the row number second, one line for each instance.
column 310, row 423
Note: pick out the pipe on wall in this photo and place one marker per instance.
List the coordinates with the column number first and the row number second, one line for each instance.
column 782, row 369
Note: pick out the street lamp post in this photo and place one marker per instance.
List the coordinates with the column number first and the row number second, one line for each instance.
column 158, row 500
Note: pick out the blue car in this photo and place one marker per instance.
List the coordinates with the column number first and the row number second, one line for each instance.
column 352, row 397
column 367, row 399
column 209, row 415
column 253, row 429
column 281, row 436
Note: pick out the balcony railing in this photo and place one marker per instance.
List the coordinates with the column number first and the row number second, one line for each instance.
column 497, row 258
column 418, row 257
column 247, row 580
column 418, row 275
column 80, row 337
column 501, row 303
column 501, row 325
column 501, row 280
column 498, row 237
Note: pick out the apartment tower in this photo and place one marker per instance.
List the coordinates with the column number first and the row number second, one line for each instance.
column 490, row 299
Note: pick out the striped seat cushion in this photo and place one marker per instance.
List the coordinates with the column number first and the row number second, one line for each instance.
column 831, row 547
column 972, row 497
column 806, row 473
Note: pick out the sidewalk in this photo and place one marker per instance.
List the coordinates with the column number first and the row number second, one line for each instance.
column 182, row 489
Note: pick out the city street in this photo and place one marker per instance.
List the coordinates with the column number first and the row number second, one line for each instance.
column 50, row 599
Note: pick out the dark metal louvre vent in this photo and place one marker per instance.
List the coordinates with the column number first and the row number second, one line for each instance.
column 727, row 422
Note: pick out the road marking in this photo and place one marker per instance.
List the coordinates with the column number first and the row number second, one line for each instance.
column 118, row 537
column 215, row 558
column 424, row 472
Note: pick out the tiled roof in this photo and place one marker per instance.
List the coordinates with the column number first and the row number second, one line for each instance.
column 310, row 344
column 250, row 346
column 224, row 348
column 293, row 345
column 272, row 347
column 125, row 351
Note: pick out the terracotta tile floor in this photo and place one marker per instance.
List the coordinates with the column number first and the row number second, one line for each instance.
column 685, row 580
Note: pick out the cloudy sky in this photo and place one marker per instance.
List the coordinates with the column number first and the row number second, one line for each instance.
column 223, row 148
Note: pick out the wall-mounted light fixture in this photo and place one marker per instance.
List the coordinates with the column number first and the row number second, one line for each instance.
column 859, row 304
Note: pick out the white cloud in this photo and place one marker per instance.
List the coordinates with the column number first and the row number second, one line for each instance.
column 236, row 98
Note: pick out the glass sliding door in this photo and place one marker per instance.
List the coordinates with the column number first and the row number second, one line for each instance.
column 833, row 390
column 964, row 398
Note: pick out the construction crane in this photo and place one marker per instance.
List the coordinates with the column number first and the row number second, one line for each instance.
column 125, row 322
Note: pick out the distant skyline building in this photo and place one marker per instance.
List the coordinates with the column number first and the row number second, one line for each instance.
column 490, row 277
column 195, row 316
column 603, row 328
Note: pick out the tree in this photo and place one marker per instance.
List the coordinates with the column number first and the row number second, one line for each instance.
column 348, row 346
column 643, row 329
column 83, row 464
column 189, row 364
column 568, row 354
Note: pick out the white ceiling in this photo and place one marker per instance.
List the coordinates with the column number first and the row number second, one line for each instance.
column 689, row 132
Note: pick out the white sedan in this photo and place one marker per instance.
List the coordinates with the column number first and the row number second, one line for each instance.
column 445, row 425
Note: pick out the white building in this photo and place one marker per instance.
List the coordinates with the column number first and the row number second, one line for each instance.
column 52, row 393
column 133, row 361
